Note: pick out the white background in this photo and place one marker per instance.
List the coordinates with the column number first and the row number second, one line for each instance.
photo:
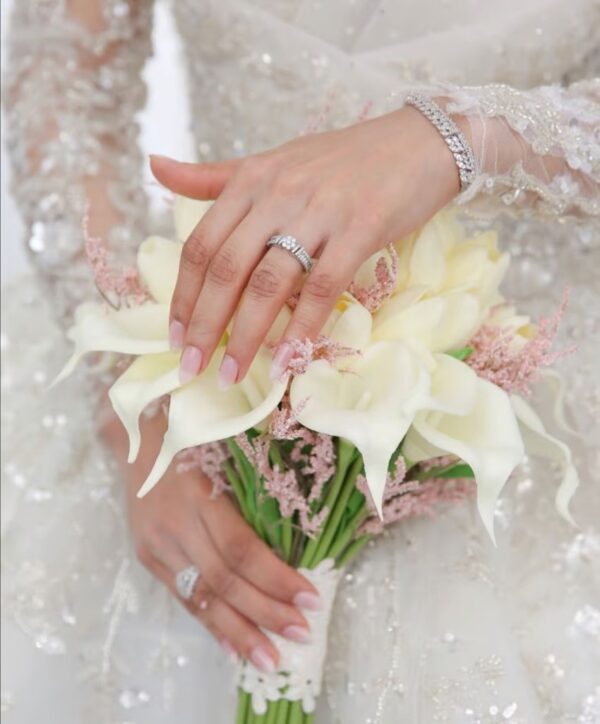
column 164, row 124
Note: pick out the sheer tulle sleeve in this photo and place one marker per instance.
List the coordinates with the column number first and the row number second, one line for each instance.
column 72, row 88
column 536, row 150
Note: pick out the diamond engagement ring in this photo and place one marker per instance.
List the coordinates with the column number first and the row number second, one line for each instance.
column 185, row 582
column 290, row 244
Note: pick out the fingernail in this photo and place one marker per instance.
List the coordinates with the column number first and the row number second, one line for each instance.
column 296, row 633
column 229, row 650
column 161, row 157
column 261, row 659
column 228, row 372
column 281, row 359
column 191, row 359
column 307, row 600
column 176, row 334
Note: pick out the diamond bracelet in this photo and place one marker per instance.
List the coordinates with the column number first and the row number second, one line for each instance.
column 452, row 135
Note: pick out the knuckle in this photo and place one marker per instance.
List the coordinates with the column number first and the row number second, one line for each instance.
column 222, row 270
column 221, row 580
column 264, row 283
column 240, row 550
column 321, row 287
column 196, row 252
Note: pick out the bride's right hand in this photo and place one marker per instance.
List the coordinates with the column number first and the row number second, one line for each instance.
column 243, row 586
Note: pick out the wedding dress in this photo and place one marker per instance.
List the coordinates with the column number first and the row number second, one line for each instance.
column 433, row 624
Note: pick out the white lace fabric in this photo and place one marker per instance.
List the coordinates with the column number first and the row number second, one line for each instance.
column 71, row 94
column 431, row 625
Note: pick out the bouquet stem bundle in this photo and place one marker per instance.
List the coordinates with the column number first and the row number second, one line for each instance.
column 339, row 538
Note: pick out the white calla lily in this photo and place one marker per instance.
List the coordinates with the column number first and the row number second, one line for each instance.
column 158, row 264
column 539, row 442
column 130, row 330
column 487, row 437
column 199, row 412
column 370, row 403
column 187, row 213
column 439, row 323
column 145, row 380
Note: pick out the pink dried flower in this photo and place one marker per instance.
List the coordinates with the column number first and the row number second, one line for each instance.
column 116, row 288
column 495, row 359
column 386, row 275
column 420, row 499
column 208, row 458
column 308, row 351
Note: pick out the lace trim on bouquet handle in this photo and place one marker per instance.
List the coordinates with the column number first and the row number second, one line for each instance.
column 300, row 673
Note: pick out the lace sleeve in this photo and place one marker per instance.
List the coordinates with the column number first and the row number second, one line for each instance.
column 71, row 92
column 535, row 150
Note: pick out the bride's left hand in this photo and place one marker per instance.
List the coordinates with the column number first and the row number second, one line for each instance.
column 343, row 195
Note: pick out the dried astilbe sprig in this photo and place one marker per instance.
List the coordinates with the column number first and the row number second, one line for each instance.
column 386, row 275
column 118, row 288
column 308, row 350
column 420, row 499
column 282, row 485
column 495, row 358
column 209, row 459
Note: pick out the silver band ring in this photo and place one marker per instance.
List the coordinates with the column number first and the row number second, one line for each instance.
column 185, row 582
column 290, row 244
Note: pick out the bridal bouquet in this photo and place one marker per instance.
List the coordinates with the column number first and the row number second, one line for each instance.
column 412, row 395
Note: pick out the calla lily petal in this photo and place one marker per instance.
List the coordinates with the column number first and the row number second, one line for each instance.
column 439, row 323
column 146, row 379
column 199, row 412
column 187, row 213
column 488, row 439
column 539, row 442
column 131, row 330
column 158, row 264
column 371, row 404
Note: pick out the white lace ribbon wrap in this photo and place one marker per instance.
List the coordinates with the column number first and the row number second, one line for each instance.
column 300, row 671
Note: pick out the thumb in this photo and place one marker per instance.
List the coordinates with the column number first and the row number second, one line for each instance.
column 203, row 181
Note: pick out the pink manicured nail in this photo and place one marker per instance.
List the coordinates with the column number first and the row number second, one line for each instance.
column 228, row 372
column 191, row 359
column 229, row 650
column 307, row 600
column 281, row 359
column 176, row 334
column 261, row 659
column 296, row 633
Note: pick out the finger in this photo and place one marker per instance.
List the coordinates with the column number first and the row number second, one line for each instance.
column 198, row 250
column 271, row 284
column 224, row 280
column 245, row 637
column 330, row 276
column 197, row 180
column 248, row 556
column 231, row 629
column 252, row 603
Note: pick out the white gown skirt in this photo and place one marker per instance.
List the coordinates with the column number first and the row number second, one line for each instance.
column 433, row 624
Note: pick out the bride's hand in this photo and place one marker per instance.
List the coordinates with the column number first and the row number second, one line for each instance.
column 343, row 195
column 243, row 585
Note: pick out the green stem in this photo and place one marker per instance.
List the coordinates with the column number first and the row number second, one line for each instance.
column 335, row 517
column 344, row 538
column 242, row 710
column 272, row 712
column 296, row 713
column 238, row 487
column 353, row 550
column 344, row 459
column 287, row 538
column 283, row 708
